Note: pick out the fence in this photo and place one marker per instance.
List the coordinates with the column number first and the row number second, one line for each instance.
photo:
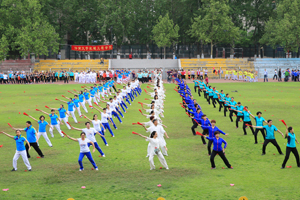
column 178, row 50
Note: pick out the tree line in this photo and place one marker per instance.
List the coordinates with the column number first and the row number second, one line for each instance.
column 37, row 26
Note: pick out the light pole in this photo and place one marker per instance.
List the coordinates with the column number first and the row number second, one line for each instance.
column 111, row 36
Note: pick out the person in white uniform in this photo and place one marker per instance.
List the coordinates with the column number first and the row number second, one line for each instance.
column 154, row 144
column 90, row 134
column 21, row 151
column 98, row 126
column 160, row 133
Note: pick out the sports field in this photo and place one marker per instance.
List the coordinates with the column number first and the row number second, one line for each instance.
column 124, row 172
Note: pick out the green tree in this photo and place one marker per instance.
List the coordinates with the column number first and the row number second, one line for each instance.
column 165, row 33
column 25, row 28
column 284, row 29
column 214, row 25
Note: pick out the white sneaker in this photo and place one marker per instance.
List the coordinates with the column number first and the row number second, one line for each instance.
column 81, row 170
column 152, row 168
column 106, row 145
column 167, row 168
column 96, row 169
column 147, row 156
column 103, row 155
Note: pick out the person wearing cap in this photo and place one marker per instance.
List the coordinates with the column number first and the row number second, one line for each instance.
column 259, row 122
column 20, row 149
column 270, row 137
column 218, row 150
column 290, row 146
column 211, row 129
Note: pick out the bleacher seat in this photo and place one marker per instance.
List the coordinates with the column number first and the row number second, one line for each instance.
column 80, row 65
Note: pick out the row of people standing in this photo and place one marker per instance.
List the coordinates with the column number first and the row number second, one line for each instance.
column 210, row 131
column 243, row 114
column 112, row 108
column 157, row 144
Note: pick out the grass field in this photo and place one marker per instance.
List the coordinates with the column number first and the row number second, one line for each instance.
column 124, row 172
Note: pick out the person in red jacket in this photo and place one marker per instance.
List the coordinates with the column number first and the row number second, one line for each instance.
column 130, row 56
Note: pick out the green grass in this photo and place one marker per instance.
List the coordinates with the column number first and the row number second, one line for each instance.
column 125, row 174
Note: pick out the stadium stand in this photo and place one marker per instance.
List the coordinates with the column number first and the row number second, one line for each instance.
column 54, row 65
column 216, row 64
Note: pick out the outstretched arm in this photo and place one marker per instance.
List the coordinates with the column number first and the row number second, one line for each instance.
column 32, row 118
column 43, row 112
column 87, row 118
column 61, row 100
column 77, row 129
column 12, row 137
column 142, row 135
column 71, row 138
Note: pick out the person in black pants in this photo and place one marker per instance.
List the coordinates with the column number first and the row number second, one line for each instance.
column 32, row 138
column 247, row 120
column 259, row 122
column 270, row 136
column 218, row 150
column 239, row 109
column 279, row 75
column 291, row 146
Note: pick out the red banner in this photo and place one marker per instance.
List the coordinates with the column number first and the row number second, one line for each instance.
column 92, row 47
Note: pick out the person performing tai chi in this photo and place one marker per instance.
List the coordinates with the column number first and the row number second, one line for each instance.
column 42, row 128
column 32, row 138
column 98, row 126
column 259, row 122
column 90, row 134
column 290, row 146
column 160, row 134
column 71, row 110
column 84, row 150
column 20, row 150
column 211, row 130
column 154, row 145
column 270, row 136
column 53, row 118
column 218, row 150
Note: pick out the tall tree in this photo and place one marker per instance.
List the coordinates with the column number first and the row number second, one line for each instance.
column 165, row 33
column 26, row 29
column 256, row 14
column 284, row 29
column 214, row 25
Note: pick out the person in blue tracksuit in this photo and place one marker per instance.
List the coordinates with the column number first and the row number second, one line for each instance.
column 84, row 150
column 211, row 130
column 291, row 146
column 205, row 122
column 197, row 117
column 218, row 150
